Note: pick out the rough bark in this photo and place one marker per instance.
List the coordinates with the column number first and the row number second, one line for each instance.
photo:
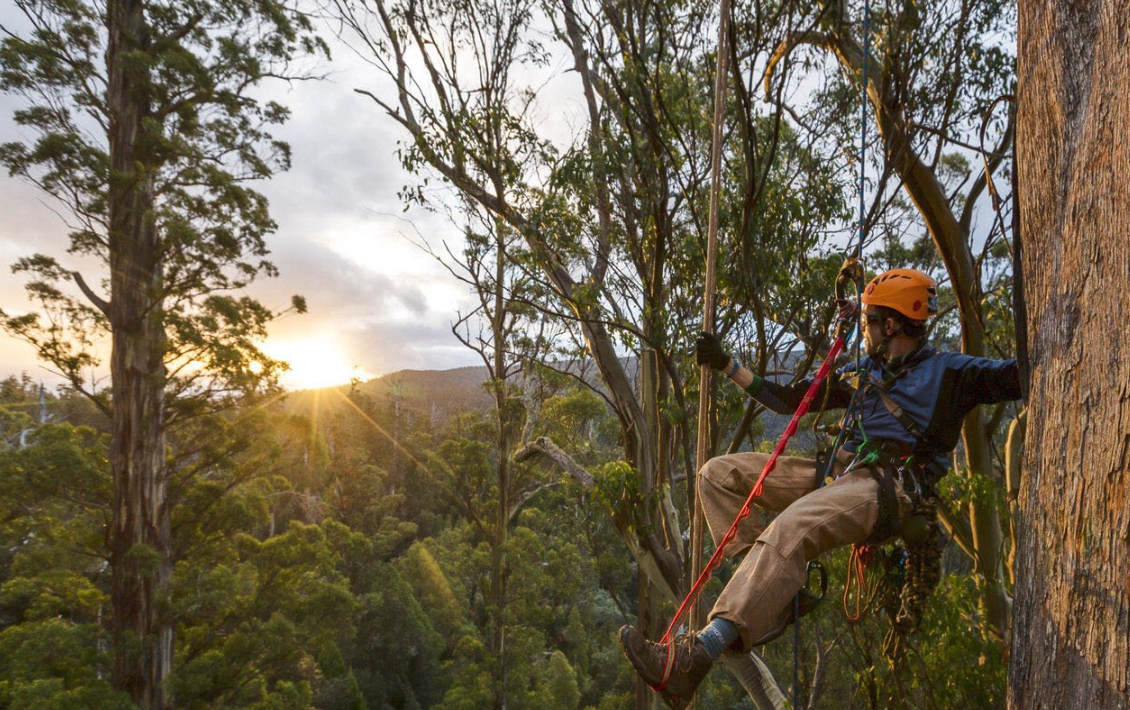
column 139, row 533
column 1072, row 612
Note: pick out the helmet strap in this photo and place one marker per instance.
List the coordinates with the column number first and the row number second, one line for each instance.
column 884, row 350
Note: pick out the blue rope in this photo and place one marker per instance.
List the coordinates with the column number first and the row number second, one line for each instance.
column 856, row 400
column 863, row 126
column 862, row 162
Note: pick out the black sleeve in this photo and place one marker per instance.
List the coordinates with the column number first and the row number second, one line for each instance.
column 984, row 381
column 784, row 399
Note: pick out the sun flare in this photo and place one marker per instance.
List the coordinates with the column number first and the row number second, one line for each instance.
column 315, row 362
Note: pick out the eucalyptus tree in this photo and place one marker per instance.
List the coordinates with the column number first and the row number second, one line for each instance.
column 1071, row 644
column 508, row 336
column 146, row 126
column 932, row 72
column 613, row 219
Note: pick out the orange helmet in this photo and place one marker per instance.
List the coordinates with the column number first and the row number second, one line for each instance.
column 908, row 291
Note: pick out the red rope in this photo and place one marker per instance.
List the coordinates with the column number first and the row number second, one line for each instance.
column 716, row 558
column 861, row 557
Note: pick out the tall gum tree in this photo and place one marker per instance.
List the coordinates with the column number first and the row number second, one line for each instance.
column 614, row 224
column 1072, row 610
column 146, row 132
column 506, row 337
column 931, row 71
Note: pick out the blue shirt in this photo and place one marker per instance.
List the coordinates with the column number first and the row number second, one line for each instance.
column 934, row 389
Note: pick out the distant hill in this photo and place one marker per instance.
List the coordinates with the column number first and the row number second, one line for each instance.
column 443, row 393
column 437, row 395
column 440, row 393
column 432, row 395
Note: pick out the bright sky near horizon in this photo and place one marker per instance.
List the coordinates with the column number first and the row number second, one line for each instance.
column 377, row 303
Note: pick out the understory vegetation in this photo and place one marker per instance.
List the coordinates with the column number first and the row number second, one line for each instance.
column 319, row 562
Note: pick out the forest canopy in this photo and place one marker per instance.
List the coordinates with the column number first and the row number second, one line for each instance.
column 192, row 536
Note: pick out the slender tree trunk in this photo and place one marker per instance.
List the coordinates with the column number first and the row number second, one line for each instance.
column 1072, row 614
column 502, row 523
column 139, row 533
column 649, row 618
column 951, row 237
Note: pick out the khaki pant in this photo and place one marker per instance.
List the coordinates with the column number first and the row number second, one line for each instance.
column 811, row 520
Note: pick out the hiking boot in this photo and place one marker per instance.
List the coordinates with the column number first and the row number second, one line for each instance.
column 687, row 669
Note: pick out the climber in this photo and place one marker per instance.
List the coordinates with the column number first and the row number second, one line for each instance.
column 901, row 430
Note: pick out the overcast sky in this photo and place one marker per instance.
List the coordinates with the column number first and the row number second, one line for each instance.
column 343, row 240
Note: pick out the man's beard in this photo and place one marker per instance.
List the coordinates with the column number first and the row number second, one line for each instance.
column 875, row 351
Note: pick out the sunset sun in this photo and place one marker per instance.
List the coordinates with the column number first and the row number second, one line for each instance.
column 314, row 363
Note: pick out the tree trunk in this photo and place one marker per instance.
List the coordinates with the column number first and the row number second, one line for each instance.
column 1072, row 614
column 139, row 533
column 649, row 623
column 951, row 238
column 502, row 521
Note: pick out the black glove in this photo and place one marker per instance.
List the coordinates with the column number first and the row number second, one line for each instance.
column 845, row 309
column 708, row 351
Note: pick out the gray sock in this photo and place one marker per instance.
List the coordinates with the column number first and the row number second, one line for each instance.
column 717, row 636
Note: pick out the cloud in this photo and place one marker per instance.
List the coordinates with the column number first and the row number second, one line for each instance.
column 383, row 347
column 343, row 240
column 334, row 286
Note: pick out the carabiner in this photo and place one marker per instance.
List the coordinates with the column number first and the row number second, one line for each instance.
column 910, row 483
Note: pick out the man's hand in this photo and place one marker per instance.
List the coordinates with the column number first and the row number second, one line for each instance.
column 708, row 351
column 846, row 310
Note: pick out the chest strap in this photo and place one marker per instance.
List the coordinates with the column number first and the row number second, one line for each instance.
column 882, row 387
column 897, row 411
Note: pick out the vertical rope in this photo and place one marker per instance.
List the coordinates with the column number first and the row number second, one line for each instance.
column 863, row 129
column 708, row 299
column 862, row 168
column 861, row 231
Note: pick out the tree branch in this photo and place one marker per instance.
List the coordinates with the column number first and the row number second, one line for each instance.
column 94, row 298
column 543, row 446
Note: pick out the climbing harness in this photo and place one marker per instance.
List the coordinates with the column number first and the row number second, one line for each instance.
column 909, row 574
